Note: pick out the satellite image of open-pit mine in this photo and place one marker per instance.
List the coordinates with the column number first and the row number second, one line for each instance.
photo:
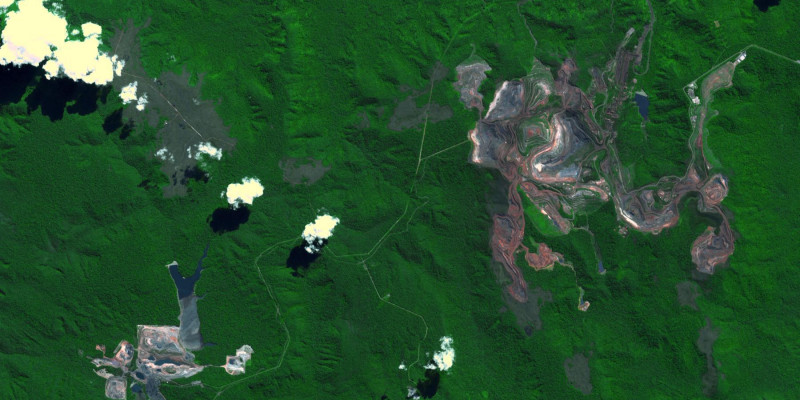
column 396, row 200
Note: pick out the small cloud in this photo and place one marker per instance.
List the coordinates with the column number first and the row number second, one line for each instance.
column 141, row 102
column 118, row 65
column 51, row 68
column 163, row 154
column 443, row 360
column 244, row 192
column 319, row 230
column 402, row 366
column 90, row 28
column 128, row 93
column 207, row 148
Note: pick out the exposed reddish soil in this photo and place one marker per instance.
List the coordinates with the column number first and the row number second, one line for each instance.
column 552, row 153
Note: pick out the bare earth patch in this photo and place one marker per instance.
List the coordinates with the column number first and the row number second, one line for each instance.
column 687, row 293
column 175, row 108
column 407, row 115
column 302, row 171
column 578, row 374
column 705, row 343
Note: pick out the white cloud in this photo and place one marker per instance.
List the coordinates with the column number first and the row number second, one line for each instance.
column 244, row 192
column 165, row 155
column 51, row 68
column 118, row 65
column 29, row 33
column 33, row 34
column 321, row 228
column 90, row 28
column 141, row 102
column 128, row 93
column 207, row 148
column 5, row 4
column 443, row 360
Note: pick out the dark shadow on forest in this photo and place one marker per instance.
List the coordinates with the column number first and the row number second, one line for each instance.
column 147, row 184
column 228, row 220
column 300, row 260
column 114, row 122
column 764, row 5
column 15, row 81
column 194, row 173
column 51, row 96
column 427, row 387
column 191, row 172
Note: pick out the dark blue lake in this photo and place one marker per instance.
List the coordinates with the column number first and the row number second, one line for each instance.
column 643, row 103
column 186, row 285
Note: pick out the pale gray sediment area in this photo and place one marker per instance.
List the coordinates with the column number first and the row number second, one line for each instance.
column 299, row 171
column 705, row 343
column 578, row 373
column 364, row 124
column 688, row 292
column 407, row 115
column 527, row 313
column 537, row 298
column 189, row 320
column 190, row 323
